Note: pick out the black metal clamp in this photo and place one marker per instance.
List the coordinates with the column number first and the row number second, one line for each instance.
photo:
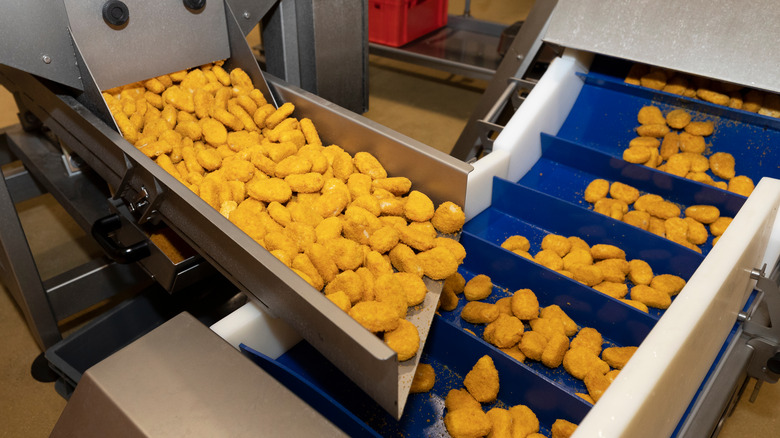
column 101, row 231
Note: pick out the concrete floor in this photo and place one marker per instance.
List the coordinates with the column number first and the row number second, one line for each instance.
column 428, row 105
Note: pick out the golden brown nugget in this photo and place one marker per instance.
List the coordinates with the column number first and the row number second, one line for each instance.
column 417, row 238
column 532, row 345
column 477, row 312
column 623, row 192
column 697, row 233
column 636, row 304
column 588, row 338
column 651, row 297
column 649, row 115
column 656, row 130
column 635, row 73
column 453, row 246
column 342, row 166
column 418, row 207
column 448, row 218
column 617, row 357
column 613, row 289
column 548, row 327
column 482, row 381
column 305, row 183
column 577, row 256
column 678, row 164
column 516, row 242
column 478, row 287
column 604, row 251
column 458, row 399
column 269, row 190
column 692, row 143
column 347, row 254
column 448, row 301
column 712, row 96
column 524, row 254
column 670, row 145
column 578, row 243
column 358, row 184
column 642, row 202
column 276, row 117
column 639, row 219
column 424, row 378
column 563, row 429
column 384, row 239
column 404, row 259
column 467, row 423
column 614, row 208
column 580, row 361
column 404, row 340
column 456, row 282
column 648, row 142
column 753, row 101
column 375, row 316
column 640, row 272
column 719, row 226
column 678, row 119
column 504, row 332
column 398, row 186
column 388, row 289
column 549, row 259
column 341, row 300
column 663, row 209
column 558, row 244
column 586, row 397
column 597, row 189
column 671, row 284
column 676, row 229
column 438, row 263
column 501, row 420
column 524, row 421
column 699, row 163
column 292, row 165
column 414, row 287
column 596, row 383
column 556, row 348
column 213, row 132
column 310, row 132
column 555, row 311
column 655, row 79
column 302, row 263
column 722, row 165
column 377, row 264
column 505, row 306
column 514, row 352
column 525, row 304
column 741, row 185
column 700, row 128
column 612, row 375
column 368, row 203
column 368, row 164
column 637, row 154
column 329, row 228
column 705, row 214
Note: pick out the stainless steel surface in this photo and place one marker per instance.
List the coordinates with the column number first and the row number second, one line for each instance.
column 720, row 39
column 162, row 36
column 249, row 12
column 518, row 59
column 202, row 386
column 33, row 31
column 765, row 333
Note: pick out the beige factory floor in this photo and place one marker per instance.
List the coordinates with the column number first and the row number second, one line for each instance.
column 424, row 104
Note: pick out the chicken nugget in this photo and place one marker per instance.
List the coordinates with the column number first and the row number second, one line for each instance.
column 560, row 245
column 310, row 132
column 651, row 297
column 504, row 332
column 377, row 264
column 617, row 357
column 649, row 115
column 563, row 429
column 384, row 239
column 302, row 263
column 457, row 399
column 413, row 286
column 448, row 218
column 577, row 256
column 375, row 316
column 671, row 284
column 639, row 219
column 438, row 263
column 604, row 251
column 640, row 272
column 642, row 202
column 656, row 130
column 398, row 186
column 341, row 300
column 516, row 243
column 269, row 190
column 692, row 143
column 456, row 282
column 532, row 345
column 676, row 229
column 648, row 142
column 525, row 305
column 579, row 361
column 555, row 311
column 482, row 381
column 637, row 154
column 369, row 165
column 678, row 119
column 635, row 304
column 278, row 116
column 670, row 145
column 596, row 383
column 722, row 165
column 238, row 170
column 589, row 275
column 614, row 208
column 524, row 421
column 597, row 189
column 549, row 259
column 467, row 423
column 718, row 227
column 678, row 164
column 305, row 183
column 712, row 96
column 613, row 289
column 388, row 289
column 623, row 192
column 700, row 128
column 404, row 259
column 552, row 357
column 453, row 246
column 697, row 233
column 424, row 378
column 347, row 254
column 501, row 421
column 662, row 209
column 418, row 207
column 548, row 327
column 477, row 312
column 369, row 203
column 478, row 287
column 655, row 79
column 741, row 185
column 514, row 353
column 404, row 340
column 635, row 73
column 588, row 338
column 359, row 185
column 505, row 306
column 448, row 301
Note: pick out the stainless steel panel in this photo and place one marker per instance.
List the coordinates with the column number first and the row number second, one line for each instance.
column 162, row 36
column 721, row 39
column 34, row 38
column 249, row 12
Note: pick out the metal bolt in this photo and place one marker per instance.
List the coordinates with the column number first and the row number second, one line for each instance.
column 46, row 59
column 520, row 57
column 247, row 15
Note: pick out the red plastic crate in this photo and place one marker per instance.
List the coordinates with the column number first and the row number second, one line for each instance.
column 396, row 22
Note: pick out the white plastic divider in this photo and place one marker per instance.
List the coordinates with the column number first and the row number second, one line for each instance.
column 252, row 326
column 650, row 395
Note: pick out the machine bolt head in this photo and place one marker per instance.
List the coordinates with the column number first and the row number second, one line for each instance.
column 247, row 15
column 46, row 59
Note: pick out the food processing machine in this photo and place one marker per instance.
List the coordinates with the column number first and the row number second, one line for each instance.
column 692, row 359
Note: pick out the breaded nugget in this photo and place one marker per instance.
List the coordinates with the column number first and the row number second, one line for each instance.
column 347, row 254
column 438, row 263
column 635, row 304
column 516, row 243
column 678, row 119
column 614, row 208
column 697, row 233
column 719, row 226
column 482, row 381
column 676, row 230
column 501, row 421
column 642, row 202
column 388, row 289
column 453, row 246
column 448, row 218
column 418, row 207
column 456, row 282
column 467, row 423
column 656, row 130
column 648, row 142
column 398, row 185
column 560, row 245
column 514, row 353
column 635, row 73
column 504, row 332
column 614, row 269
column 692, row 143
column 705, row 214
column 712, row 96
column 671, row 284
column 578, row 243
column 677, row 164
column 597, row 189
column 563, row 429
column 589, row 275
column 741, row 185
column 604, row 251
column 417, row 238
column 577, row 256
column 596, row 383
column 448, row 301
column 555, row 311
column 404, row 340
column 588, row 338
column 269, row 190
column 637, row 154
column 613, row 289
column 377, row 264
column 505, row 306
column 375, row 316
column 532, row 345
column 579, row 361
column 670, row 145
column 341, row 300
column 368, row 164
column 549, row 259
column 424, row 378
column 722, row 165
column 649, row 115
column 548, row 327
column 662, row 209
column 404, row 259
column 556, row 348
column 478, row 287
column 414, row 287
column 384, row 239
column 524, row 421
column 639, row 219
column 477, row 312
column 302, row 263
column 623, row 192
column 640, row 272
column 651, row 297
column 525, row 304
column 655, row 79
column 458, row 399
column 700, row 128
column 617, row 357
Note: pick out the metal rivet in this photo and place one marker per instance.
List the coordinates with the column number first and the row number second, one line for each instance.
column 46, row 59
column 247, row 15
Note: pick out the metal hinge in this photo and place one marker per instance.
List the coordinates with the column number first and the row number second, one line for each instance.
column 764, row 365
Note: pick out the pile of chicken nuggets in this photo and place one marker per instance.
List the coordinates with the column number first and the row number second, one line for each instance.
column 465, row 416
column 676, row 144
column 652, row 213
column 363, row 238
